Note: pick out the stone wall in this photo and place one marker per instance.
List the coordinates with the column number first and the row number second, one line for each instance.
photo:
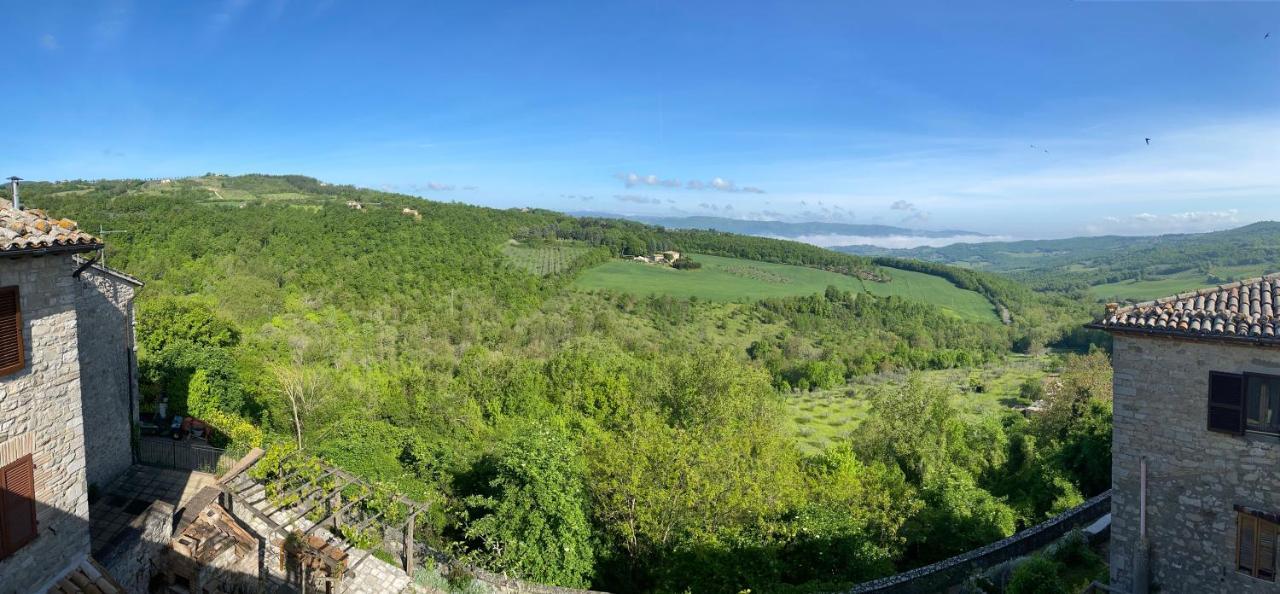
column 1194, row 476
column 108, row 371
column 948, row 572
column 40, row 414
column 131, row 559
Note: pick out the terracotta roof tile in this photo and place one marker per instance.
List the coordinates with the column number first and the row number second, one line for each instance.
column 1242, row 310
column 27, row 230
column 88, row 577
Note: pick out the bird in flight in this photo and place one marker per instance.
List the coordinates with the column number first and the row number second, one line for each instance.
column 1267, row 36
column 1148, row 142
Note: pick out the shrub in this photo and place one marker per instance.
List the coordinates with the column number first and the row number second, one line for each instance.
column 1037, row 575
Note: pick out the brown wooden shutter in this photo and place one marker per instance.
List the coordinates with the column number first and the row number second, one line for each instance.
column 1266, row 551
column 1246, row 533
column 12, row 357
column 17, row 505
column 1226, row 403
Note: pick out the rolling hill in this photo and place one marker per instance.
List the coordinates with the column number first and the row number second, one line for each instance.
column 452, row 354
column 1115, row 266
column 734, row 279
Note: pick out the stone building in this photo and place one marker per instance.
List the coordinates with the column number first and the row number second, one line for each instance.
column 1196, row 443
column 65, row 356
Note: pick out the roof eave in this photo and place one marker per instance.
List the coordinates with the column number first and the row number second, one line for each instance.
column 1273, row 342
column 74, row 248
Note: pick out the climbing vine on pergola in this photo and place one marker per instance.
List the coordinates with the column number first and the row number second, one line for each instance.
column 302, row 486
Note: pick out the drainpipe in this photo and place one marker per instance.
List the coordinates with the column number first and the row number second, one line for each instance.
column 131, row 363
column 1142, row 555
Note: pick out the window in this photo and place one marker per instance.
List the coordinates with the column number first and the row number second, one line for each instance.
column 1256, row 544
column 17, row 505
column 1262, row 403
column 1226, row 403
column 11, row 348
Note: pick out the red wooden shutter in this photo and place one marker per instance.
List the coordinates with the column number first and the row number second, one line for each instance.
column 1226, row 403
column 17, row 505
column 12, row 357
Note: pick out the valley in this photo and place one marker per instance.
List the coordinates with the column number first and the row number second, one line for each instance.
column 432, row 348
column 733, row 279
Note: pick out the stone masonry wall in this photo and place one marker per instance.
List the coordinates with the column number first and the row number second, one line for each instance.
column 40, row 414
column 108, row 373
column 1194, row 476
column 130, row 561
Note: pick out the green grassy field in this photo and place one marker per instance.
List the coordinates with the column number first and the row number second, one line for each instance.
column 733, row 279
column 820, row 417
column 543, row 260
column 1146, row 290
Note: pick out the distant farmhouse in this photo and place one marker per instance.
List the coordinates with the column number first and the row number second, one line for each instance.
column 668, row 257
column 1196, row 443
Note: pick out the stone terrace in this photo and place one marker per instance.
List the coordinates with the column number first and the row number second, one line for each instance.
column 131, row 495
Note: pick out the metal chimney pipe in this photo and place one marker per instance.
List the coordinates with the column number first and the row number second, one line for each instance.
column 13, row 188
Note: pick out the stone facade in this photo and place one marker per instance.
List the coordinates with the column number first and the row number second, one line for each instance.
column 78, row 342
column 108, row 378
column 41, row 414
column 1194, row 477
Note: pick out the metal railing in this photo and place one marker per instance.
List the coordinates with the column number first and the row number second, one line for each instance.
column 183, row 455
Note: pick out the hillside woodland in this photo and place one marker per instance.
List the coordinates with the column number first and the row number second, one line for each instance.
column 591, row 438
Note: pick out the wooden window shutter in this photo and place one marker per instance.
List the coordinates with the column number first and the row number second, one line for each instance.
column 17, row 505
column 1245, row 536
column 1266, row 551
column 1226, row 403
column 12, row 355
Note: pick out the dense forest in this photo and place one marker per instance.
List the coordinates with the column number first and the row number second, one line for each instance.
column 601, row 439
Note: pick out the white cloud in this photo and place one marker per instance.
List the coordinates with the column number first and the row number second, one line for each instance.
column 1145, row 223
column 894, row 241
column 636, row 199
column 912, row 213
column 49, row 42
column 439, row 187
column 632, row 180
column 724, row 185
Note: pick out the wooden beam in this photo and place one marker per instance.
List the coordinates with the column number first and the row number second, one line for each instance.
column 340, row 511
column 308, row 509
column 408, row 544
column 314, row 483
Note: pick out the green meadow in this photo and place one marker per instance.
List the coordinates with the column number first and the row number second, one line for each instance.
column 1146, row 290
column 733, row 279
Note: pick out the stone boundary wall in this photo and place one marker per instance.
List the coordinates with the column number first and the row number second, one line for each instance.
column 497, row 583
column 938, row 576
column 129, row 560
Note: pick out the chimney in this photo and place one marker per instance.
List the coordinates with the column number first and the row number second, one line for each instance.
column 13, row 188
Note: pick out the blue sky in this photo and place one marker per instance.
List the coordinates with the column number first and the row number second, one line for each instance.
column 920, row 114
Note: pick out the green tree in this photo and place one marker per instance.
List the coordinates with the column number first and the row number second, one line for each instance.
column 536, row 525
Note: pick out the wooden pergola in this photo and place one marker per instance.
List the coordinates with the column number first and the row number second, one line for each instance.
column 305, row 487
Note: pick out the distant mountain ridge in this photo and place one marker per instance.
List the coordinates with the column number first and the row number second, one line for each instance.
column 783, row 228
column 1203, row 258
